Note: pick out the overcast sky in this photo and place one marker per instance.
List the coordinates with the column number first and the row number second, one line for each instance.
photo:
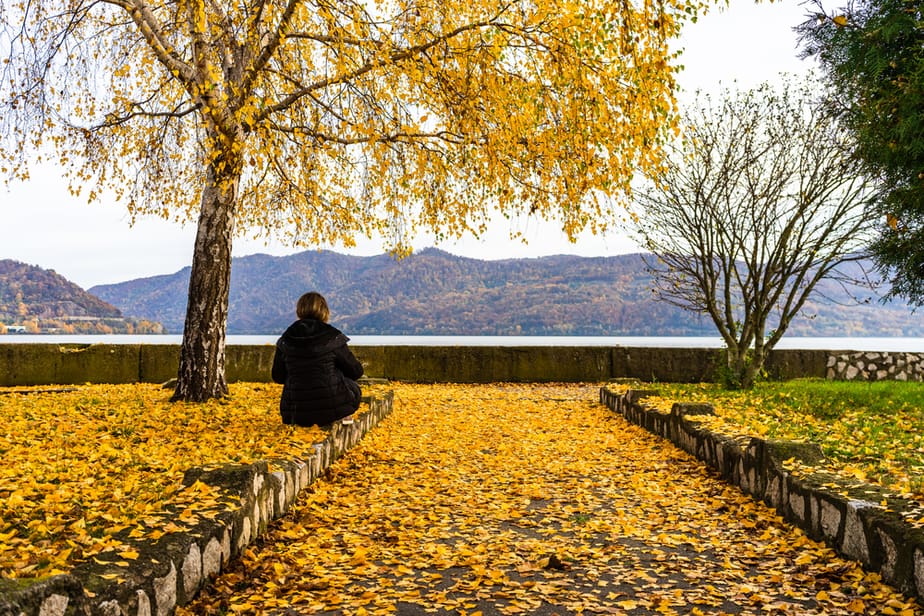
column 90, row 244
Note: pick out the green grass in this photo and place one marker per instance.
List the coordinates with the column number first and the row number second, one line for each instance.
column 873, row 430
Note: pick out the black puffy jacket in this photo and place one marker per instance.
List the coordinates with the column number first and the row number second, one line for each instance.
column 318, row 373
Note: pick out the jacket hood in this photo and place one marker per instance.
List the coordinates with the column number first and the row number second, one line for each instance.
column 311, row 337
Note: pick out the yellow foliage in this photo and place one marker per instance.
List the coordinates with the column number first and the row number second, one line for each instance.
column 80, row 465
column 525, row 498
column 375, row 117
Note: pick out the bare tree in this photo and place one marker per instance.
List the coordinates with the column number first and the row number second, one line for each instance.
column 758, row 201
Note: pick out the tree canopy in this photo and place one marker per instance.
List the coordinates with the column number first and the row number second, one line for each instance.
column 873, row 54
column 322, row 121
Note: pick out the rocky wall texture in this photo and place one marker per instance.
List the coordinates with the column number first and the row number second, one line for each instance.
column 873, row 366
column 153, row 578
column 862, row 522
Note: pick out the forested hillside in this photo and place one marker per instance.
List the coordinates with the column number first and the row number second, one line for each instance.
column 433, row 292
column 37, row 300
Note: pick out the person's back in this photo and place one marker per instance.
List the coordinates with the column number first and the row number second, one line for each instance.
column 316, row 368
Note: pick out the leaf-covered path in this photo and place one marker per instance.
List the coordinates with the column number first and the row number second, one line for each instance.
column 533, row 499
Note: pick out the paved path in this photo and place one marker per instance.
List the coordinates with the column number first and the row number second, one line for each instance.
column 533, row 499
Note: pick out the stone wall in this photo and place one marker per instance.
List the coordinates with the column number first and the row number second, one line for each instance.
column 170, row 571
column 71, row 364
column 860, row 521
column 872, row 366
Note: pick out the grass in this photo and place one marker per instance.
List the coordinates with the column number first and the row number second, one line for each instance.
column 873, row 431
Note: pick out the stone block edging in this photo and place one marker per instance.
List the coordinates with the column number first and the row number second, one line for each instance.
column 862, row 522
column 158, row 576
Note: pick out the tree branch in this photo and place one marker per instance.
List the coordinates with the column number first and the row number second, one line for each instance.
column 269, row 48
column 393, row 58
column 152, row 32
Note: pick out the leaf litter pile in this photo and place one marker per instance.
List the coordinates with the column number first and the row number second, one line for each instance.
column 83, row 465
column 532, row 499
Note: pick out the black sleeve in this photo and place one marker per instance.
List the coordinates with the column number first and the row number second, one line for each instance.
column 347, row 363
column 279, row 367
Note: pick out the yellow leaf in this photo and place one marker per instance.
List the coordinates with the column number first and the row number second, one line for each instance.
column 627, row 604
column 359, row 556
column 840, row 20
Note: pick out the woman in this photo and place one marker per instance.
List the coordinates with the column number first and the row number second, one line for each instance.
column 316, row 369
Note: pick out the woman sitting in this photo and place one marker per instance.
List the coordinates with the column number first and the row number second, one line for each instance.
column 316, row 368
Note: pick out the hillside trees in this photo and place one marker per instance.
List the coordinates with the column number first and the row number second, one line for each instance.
column 322, row 121
column 872, row 52
column 759, row 201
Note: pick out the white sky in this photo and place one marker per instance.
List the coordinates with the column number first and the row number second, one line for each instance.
column 90, row 244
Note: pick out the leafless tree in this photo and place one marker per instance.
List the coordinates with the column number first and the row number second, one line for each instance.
column 758, row 201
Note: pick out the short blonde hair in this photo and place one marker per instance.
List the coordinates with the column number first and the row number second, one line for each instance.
column 312, row 306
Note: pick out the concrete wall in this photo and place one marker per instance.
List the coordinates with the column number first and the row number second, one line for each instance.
column 56, row 364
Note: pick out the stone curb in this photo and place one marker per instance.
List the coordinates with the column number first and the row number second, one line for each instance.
column 862, row 522
column 170, row 571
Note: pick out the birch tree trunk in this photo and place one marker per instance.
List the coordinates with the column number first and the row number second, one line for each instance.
column 201, row 373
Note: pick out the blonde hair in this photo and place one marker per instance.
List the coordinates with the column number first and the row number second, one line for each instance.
column 312, row 306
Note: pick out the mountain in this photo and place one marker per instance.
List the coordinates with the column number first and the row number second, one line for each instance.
column 39, row 300
column 433, row 292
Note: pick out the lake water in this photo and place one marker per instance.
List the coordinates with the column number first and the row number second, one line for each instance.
column 915, row 345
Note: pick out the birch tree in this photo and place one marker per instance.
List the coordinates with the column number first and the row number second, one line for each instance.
column 318, row 121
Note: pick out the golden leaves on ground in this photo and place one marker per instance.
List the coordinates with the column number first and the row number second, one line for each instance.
column 503, row 499
column 84, row 464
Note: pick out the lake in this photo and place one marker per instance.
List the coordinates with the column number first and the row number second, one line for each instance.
column 912, row 345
